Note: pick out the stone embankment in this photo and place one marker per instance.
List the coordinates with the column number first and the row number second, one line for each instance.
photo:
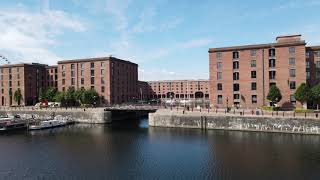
column 81, row 115
column 266, row 123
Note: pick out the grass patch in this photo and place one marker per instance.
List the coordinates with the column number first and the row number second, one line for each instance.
column 270, row 108
column 300, row 110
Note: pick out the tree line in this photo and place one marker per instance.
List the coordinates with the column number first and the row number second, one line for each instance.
column 71, row 97
column 304, row 94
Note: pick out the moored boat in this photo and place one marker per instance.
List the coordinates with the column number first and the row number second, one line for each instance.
column 12, row 123
column 50, row 123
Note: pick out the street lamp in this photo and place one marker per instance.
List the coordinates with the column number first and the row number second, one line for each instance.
column 227, row 104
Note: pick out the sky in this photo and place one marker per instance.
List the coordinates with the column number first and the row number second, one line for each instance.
column 168, row 39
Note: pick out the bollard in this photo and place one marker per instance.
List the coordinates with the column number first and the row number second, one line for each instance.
column 294, row 114
column 261, row 113
column 316, row 115
column 252, row 112
column 225, row 111
column 305, row 114
column 283, row 114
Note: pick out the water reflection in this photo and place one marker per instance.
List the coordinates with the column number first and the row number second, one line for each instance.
column 129, row 149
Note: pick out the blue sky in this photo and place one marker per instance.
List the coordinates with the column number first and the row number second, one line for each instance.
column 168, row 39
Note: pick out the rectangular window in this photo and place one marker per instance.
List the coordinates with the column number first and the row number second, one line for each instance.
column 63, row 67
column 92, row 72
column 317, row 74
column 292, row 99
column 63, row 88
column 10, row 83
column 102, row 89
column 102, row 80
column 253, row 52
column 317, row 53
column 292, row 72
column 72, row 66
column 63, row 73
column 236, row 87
column 236, row 65
column 219, row 55
column 82, row 65
column 219, row 75
column 56, row 70
column 317, row 64
column 253, row 63
column 63, row 81
column 272, row 63
column 308, row 74
column 92, row 80
column 91, row 65
column 219, row 65
column 18, row 83
column 102, row 71
column 1, row 70
column 272, row 74
column 72, row 81
column 272, row 52
column 72, row 73
column 9, row 70
column 236, row 96
column 235, row 55
column 18, row 69
column 292, row 85
column 219, row 87
column 292, row 50
column 82, row 72
column 254, row 99
column 18, row 76
column 92, row 87
column 307, row 64
column 219, row 99
column 308, row 54
column 82, row 81
column 253, row 74
column 292, row 61
column 235, row 76
column 253, row 86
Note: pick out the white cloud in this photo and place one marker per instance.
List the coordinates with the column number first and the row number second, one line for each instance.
column 27, row 35
column 194, row 43
column 118, row 10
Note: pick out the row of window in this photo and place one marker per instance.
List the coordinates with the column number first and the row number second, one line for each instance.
column 272, row 53
column 272, row 74
column 236, row 97
column 236, row 86
column 82, row 81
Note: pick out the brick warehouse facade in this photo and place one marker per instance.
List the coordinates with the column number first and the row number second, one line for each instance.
column 114, row 79
column 241, row 75
column 28, row 78
column 178, row 89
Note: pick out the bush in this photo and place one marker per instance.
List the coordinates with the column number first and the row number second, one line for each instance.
column 299, row 110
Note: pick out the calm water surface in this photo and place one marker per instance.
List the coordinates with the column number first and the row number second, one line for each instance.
column 132, row 150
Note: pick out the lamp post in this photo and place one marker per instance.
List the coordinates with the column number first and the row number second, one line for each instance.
column 227, row 104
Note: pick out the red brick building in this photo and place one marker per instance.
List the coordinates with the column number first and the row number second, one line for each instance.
column 114, row 79
column 28, row 78
column 242, row 75
column 52, row 76
column 178, row 89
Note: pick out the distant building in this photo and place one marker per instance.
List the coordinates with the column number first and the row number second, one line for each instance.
column 179, row 89
column 28, row 78
column 242, row 75
column 114, row 79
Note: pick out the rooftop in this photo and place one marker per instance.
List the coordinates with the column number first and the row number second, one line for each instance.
column 94, row 59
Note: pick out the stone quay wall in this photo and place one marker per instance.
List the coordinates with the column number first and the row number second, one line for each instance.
column 81, row 115
column 299, row 125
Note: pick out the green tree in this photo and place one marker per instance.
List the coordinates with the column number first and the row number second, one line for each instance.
column 51, row 93
column 60, row 97
column 274, row 94
column 43, row 94
column 70, row 96
column 17, row 96
column 79, row 94
column 315, row 94
column 89, row 97
column 303, row 93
